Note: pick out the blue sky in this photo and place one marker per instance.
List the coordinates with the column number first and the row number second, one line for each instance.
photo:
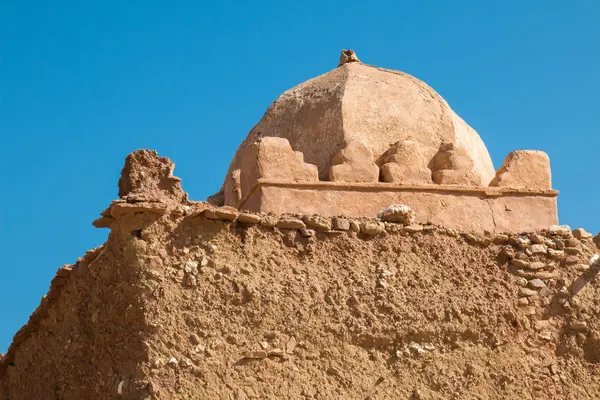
column 85, row 83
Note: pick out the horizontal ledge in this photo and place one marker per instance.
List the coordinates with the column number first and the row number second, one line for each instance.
column 490, row 191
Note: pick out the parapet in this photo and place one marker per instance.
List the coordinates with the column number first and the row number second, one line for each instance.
column 359, row 138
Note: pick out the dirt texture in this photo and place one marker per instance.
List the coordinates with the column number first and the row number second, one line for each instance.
column 189, row 301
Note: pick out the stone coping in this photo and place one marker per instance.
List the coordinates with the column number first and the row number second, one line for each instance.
column 489, row 191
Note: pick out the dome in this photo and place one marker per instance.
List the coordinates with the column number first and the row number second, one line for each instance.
column 374, row 106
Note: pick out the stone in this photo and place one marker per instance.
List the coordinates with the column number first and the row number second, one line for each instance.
column 572, row 250
column 560, row 230
column 500, row 238
column 556, row 254
column 317, row 222
column 537, row 265
column 581, row 233
column 269, row 221
column 372, row 228
column 525, row 292
column 307, row 232
column 542, row 325
column 194, row 339
column 523, row 301
column 413, row 228
column 340, row 224
column 572, row 242
column 519, row 263
column 528, row 169
column 579, row 326
column 256, row 355
column 536, row 284
column 536, row 238
column 399, row 213
column 545, row 274
column 290, row 223
column 276, row 353
column 406, row 162
column 354, row 163
column 247, row 218
column 354, row 226
column 582, row 267
column 538, row 249
column 224, row 213
column 529, row 310
column 572, row 260
column 521, row 282
column 545, row 292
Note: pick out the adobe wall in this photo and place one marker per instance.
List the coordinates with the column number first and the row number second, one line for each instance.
column 463, row 208
column 204, row 302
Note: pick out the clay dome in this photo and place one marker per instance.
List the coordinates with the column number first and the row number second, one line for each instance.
column 370, row 105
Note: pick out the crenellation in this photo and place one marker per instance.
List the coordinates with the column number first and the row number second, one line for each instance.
column 527, row 169
column 354, row 163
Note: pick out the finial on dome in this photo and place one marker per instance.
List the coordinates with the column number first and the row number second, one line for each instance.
column 348, row 56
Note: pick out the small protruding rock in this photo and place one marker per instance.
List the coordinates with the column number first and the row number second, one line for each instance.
column 317, row 222
column 372, row 228
column 256, row 355
column 536, row 284
column 399, row 213
column 340, row 224
column 581, row 233
column 560, row 230
column 290, row 223
column 247, row 218
column 525, row 292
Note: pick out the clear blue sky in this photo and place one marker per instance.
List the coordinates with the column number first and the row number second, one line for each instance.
column 85, row 83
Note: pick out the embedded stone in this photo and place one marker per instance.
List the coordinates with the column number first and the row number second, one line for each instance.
column 538, row 249
column 519, row 263
column 399, row 213
column 226, row 213
column 247, row 218
column 307, row 232
column 317, row 222
column 536, row 284
column 413, row 228
column 581, row 233
column 290, row 223
column 268, row 221
column 500, row 238
column 372, row 228
column 340, row 224
column 579, row 326
column 527, row 292
column 560, row 230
